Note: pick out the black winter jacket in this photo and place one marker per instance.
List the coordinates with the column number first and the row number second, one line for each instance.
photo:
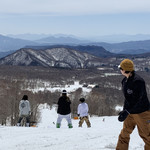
column 136, row 100
column 64, row 105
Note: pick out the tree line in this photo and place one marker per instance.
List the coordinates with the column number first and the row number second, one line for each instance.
column 15, row 81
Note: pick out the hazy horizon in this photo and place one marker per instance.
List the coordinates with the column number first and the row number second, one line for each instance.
column 84, row 18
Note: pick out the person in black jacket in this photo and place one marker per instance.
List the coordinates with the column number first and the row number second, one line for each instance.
column 64, row 110
column 136, row 110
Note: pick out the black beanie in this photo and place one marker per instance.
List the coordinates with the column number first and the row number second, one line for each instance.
column 82, row 100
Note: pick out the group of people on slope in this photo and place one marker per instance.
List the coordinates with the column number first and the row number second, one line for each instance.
column 64, row 111
column 136, row 110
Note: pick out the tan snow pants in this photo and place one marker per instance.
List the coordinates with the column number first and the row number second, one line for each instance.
column 86, row 119
column 142, row 121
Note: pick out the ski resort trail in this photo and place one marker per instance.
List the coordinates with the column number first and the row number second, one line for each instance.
column 103, row 135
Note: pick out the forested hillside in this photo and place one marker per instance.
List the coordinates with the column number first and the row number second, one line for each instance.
column 101, row 88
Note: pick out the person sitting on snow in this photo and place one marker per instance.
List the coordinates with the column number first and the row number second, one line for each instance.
column 83, row 113
column 64, row 110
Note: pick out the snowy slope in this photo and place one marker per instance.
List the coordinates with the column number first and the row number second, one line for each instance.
column 101, row 136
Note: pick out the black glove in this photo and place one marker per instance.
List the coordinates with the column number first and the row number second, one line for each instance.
column 123, row 115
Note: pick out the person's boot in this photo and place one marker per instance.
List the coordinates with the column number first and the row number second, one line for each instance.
column 27, row 124
column 70, row 126
column 89, row 125
column 18, row 124
column 58, row 125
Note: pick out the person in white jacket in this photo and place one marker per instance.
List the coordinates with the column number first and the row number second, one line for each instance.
column 24, row 110
column 83, row 113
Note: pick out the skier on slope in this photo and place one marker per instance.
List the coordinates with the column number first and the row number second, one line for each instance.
column 83, row 113
column 24, row 110
column 64, row 110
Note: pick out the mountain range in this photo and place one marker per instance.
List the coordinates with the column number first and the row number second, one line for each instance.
column 8, row 44
column 130, row 47
column 67, row 57
column 91, row 49
column 55, row 57
column 62, row 40
column 114, row 38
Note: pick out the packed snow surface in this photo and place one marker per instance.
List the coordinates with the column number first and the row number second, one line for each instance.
column 103, row 135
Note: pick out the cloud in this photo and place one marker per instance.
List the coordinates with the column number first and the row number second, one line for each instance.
column 73, row 7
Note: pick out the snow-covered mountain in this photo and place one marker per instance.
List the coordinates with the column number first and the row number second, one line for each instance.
column 98, row 51
column 55, row 57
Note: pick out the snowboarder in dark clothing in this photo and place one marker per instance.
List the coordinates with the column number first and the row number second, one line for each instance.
column 136, row 111
column 64, row 110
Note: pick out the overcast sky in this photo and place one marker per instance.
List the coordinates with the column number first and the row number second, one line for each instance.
column 77, row 17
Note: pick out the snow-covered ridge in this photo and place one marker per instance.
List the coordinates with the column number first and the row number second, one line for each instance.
column 55, row 57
